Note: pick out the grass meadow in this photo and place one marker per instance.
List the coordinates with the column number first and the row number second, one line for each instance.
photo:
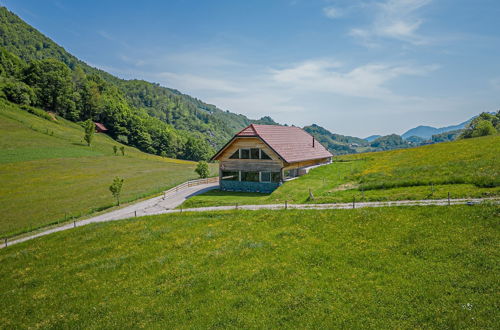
column 399, row 267
column 464, row 168
column 48, row 174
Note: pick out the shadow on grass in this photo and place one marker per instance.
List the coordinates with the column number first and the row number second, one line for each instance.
column 79, row 144
column 220, row 193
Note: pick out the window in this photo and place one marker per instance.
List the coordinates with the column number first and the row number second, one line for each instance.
column 245, row 153
column 236, row 155
column 263, row 155
column 265, row 176
column 253, row 153
column 275, row 177
column 230, row 176
column 250, row 176
column 291, row 173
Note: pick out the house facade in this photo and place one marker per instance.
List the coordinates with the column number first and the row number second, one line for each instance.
column 261, row 157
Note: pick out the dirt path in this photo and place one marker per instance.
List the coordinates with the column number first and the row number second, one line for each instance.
column 161, row 205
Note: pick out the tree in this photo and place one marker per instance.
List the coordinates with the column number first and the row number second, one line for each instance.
column 484, row 124
column 53, row 84
column 202, row 169
column 18, row 92
column 115, row 149
column 116, row 188
column 89, row 127
column 483, row 128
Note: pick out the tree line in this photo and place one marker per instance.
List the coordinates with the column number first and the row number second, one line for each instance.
column 77, row 96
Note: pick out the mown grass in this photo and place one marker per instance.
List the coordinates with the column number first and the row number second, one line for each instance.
column 48, row 174
column 465, row 168
column 406, row 267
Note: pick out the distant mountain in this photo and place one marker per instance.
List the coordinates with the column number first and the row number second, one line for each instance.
column 372, row 138
column 336, row 143
column 426, row 132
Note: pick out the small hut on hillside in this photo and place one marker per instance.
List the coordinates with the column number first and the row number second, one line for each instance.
column 100, row 128
column 261, row 157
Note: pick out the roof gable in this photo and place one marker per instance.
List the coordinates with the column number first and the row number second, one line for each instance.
column 291, row 143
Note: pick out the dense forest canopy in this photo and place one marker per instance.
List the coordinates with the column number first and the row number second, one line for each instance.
column 35, row 71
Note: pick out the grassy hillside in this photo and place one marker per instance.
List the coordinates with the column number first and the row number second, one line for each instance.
column 417, row 267
column 47, row 171
column 465, row 168
column 187, row 115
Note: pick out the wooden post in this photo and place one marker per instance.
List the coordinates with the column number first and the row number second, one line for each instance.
column 135, row 214
column 74, row 224
column 311, row 196
column 286, row 205
column 354, row 202
column 5, row 242
column 181, row 208
column 449, row 202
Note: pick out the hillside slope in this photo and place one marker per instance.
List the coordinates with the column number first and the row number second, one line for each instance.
column 49, row 174
column 390, row 268
column 188, row 116
column 464, row 168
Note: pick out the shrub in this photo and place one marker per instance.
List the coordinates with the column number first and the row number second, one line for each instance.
column 202, row 169
column 483, row 128
column 18, row 92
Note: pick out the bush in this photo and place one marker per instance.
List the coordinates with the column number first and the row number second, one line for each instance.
column 122, row 139
column 202, row 169
column 37, row 112
column 18, row 92
column 483, row 128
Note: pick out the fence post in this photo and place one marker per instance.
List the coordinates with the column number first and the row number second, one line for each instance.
column 74, row 224
column 135, row 214
column 181, row 208
column 449, row 202
column 5, row 242
column 354, row 202
column 286, row 205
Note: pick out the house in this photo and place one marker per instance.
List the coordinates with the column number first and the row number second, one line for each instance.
column 100, row 128
column 261, row 157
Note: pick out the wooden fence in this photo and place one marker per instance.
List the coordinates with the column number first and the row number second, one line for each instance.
column 191, row 183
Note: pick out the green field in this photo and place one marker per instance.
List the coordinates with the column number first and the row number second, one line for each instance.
column 47, row 173
column 406, row 267
column 464, row 168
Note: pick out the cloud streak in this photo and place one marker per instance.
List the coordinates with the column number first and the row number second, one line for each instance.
column 393, row 19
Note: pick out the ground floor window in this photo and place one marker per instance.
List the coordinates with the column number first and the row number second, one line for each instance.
column 275, row 176
column 265, row 176
column 251, row 176
column 230, row 176
column 290, row 173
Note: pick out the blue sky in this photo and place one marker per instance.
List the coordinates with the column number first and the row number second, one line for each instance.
column 356, row 67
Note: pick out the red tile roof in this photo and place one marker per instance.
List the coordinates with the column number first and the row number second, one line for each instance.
column 100, row 127
column 291, row 143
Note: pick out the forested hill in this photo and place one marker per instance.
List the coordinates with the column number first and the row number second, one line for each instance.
column 35, row 71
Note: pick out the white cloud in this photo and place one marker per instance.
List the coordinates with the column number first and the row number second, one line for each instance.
column 395, row 19
column 365, row 81
column 333, row 12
